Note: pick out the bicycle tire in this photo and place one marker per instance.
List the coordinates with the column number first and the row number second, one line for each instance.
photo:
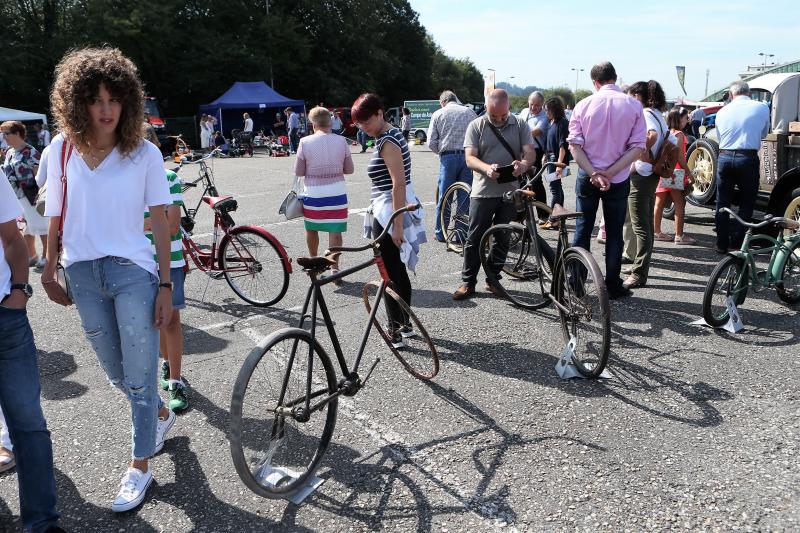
column 539, row 206
column 588, row 319
column 791, row 268
column 717, row 315
column 529, row 285
column 273, row 454
column 268, row 268
column 454, row 220
column 420, row 359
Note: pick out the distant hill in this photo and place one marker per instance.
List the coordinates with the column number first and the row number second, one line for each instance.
column 516, row 90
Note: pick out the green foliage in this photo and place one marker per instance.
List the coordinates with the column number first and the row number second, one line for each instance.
column 581, row 94
column 190, row 51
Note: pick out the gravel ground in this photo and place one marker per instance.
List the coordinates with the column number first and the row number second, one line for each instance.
column 697, row 430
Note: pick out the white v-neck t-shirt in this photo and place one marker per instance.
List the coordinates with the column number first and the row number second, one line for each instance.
column 105, row 205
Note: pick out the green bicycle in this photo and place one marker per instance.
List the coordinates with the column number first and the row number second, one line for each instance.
column 738, row 272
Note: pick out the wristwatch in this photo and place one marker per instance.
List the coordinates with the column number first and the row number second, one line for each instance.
column 26, row 289
column 167, row 285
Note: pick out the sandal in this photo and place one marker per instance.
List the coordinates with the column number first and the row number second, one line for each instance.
column 663, row 237
column 685, row 239
column 7, row 460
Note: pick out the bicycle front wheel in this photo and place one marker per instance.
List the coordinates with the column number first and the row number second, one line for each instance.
column 454, row 215
column 789, row 288
column 584, row 310
column 408, row 341
column 509, row 249
column 729, row 278
column 253, row 267
column 276, row 443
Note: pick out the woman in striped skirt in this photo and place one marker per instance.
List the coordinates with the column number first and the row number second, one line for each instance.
column 324, row 158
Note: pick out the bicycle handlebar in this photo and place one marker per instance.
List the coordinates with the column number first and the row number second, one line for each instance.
column 203, row 159
column 522, row 191
column 778, row 221
column 408, row 208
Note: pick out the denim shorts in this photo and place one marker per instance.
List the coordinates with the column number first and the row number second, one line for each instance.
column 177, row 276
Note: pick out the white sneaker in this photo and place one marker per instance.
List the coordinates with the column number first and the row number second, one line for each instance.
column 132, row 490
column 162, row 429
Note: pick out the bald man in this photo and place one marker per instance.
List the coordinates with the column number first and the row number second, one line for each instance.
column 484, row 153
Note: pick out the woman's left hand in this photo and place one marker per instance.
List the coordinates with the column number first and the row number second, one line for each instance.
column 397, row 236
column 163, row 311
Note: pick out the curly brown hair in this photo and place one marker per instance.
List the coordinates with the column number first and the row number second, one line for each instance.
column 77, row 81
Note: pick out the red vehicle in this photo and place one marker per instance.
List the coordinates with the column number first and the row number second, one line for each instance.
column 153, row 115
column 349, row 129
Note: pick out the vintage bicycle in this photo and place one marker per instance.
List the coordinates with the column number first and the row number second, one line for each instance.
column 569, row 278
column 285, row 398
column 739, row 271
column 251, row 259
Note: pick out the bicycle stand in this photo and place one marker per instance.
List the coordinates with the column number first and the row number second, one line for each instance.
column 565, row 368
column 734, row 323
column 273, row 476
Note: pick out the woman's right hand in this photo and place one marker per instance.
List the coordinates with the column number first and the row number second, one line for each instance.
column 52, row 288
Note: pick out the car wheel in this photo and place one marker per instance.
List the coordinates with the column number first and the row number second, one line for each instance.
column 792, row 211
column 702, row 161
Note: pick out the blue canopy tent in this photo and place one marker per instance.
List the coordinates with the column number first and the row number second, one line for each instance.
column 254, row 97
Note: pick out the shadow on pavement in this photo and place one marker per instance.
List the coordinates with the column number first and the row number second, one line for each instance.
column 54, row 367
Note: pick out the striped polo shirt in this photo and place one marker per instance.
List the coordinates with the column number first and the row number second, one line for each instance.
column 176, row 259
column 377, row 170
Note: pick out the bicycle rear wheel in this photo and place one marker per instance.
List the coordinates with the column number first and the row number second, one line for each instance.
column 789, row 289
column 253, row 267
column 509, row 249
column 275, row 452
column 454, row 216
column 586, row 317
column 728, row 278
column 418, row 356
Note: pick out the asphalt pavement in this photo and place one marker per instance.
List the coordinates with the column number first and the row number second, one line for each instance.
column 696, row 430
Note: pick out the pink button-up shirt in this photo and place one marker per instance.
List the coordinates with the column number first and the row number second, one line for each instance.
column 607, row 124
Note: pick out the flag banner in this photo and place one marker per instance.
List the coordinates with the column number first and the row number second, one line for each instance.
column 681, row 77
column 488, row 84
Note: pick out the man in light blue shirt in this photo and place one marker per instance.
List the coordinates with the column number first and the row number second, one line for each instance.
column 741, row 125
column 293, row 125
column 536, row 118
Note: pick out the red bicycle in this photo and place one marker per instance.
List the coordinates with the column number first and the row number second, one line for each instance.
column 251, row 259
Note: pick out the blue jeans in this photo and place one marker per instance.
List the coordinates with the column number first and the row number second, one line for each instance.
column 452, row 168
column 615, row 206
column 115, row 300
column 19, row 398
column 735, row 170
column 294, row 139
column 556, row 193
column 362, row 139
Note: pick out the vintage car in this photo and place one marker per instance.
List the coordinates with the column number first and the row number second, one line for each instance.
column 779, row 190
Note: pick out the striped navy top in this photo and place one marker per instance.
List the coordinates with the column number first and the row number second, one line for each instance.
column 377, row 170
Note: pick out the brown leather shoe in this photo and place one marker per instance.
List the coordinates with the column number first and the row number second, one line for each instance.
column 633, row 281
column 464, row 291
column 493, row 289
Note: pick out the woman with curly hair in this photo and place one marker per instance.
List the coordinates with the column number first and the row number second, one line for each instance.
column 112, row 177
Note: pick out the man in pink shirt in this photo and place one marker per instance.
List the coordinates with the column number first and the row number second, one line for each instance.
column 606, row 134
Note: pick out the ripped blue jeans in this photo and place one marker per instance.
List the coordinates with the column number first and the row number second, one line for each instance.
column 115, row 299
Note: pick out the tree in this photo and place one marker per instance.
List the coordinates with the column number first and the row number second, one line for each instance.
column 581, row 94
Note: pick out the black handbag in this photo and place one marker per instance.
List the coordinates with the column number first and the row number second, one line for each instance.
column 30, row 190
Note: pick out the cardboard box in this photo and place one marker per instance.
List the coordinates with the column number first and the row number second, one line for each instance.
column 794, row 127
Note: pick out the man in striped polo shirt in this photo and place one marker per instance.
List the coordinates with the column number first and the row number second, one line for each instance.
column 172, row 333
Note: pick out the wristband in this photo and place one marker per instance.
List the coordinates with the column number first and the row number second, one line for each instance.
column 166, row 285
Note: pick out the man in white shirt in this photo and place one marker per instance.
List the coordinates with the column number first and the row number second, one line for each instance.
column 19, row 375
column 248, row 123
column 536, row 118
column 336, row 123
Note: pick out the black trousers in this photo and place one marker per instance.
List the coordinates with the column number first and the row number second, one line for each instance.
column 538, row 187
column 483, row 213
column 397, row 274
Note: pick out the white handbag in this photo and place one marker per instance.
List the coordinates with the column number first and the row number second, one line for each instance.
column 292, row 206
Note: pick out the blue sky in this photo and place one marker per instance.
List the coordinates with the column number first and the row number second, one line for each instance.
column 539, row 42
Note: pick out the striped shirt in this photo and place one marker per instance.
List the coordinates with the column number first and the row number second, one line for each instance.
column 176, row 259
column 377, row 170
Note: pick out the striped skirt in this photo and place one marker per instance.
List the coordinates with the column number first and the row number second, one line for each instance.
column 325, row 207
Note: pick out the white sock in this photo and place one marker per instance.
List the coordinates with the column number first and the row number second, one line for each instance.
column 177, row 382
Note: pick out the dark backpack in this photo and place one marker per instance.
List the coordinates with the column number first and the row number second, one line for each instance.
column 667, row 157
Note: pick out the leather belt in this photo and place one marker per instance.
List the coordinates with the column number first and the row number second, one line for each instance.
column 446, row 152
column 741, row 151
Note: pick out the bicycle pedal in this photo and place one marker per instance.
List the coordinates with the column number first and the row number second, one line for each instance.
column 216, row 275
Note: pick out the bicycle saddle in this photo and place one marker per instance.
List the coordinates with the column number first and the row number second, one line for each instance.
column 216, row 202
column 564, row 216
column 318, row 263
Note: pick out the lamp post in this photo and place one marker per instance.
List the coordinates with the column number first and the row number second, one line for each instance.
column 577, row 72
column 765, row 56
